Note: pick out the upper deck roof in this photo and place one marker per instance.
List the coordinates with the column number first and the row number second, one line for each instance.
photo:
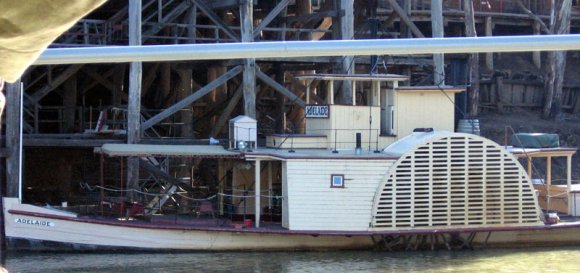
column 353, row 77
column 213, row 151
column 343, row 154
column 445, row 88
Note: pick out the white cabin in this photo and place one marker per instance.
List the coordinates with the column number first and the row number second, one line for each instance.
column 389, row 113
column 433, row 179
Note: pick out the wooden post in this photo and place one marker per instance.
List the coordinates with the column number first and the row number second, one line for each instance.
column 13, row 112
column 118, row 82
column 249, row 74
column 185, row 75
column 330, row 92
column 270, row 184
column 353, row 83
column 304, row 7
column 489, row 32
column 191, row 24
column 438, row 32
column 221, row 185
column 473, row 60
column 134, row 107
column 70, row 103
column 548, row 182
column 281, row 102
column 165, row 84
column 257, row 207
column 348, row 64
column 499, row 101
column 185, row 115
column 375, row 96
column 529, row 166
column 308, row 82
column 537, row 55
column 405, row 31
column 569, row 182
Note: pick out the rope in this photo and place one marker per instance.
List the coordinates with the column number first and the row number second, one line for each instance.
column 181, row 194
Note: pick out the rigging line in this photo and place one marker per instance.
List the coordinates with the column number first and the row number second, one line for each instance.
column 252, row 196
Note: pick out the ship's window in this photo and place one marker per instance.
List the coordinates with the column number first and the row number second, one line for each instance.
column 337, row 181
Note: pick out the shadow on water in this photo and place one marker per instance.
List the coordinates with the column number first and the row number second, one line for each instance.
column 561, row 259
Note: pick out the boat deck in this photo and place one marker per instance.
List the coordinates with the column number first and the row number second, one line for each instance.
column 184, row 222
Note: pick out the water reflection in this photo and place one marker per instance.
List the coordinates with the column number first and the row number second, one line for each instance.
column 563, row 259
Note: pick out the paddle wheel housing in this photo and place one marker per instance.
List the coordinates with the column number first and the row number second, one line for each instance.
column 451, row 180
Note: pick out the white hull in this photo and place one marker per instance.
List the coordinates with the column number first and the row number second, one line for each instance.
column 71, row 231
column 31, row 223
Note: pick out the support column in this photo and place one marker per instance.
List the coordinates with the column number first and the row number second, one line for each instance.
column 347, row 33
column 375, row 96
column 280, row 102
column 548, row 182
column 569, row 183
column 489, row 33
column 270, row 182
column 437, row 25
column 185, row 115
column 330, row 92
column 118, row 82
column 221, row 185
column 473, row 90
column 257, row 207
column 164, row 85
column 13, row 116
column 405, row 30
column 537, row 55
column 134, row 108
column 186, row 77
column 69, row 103
column 249, row 77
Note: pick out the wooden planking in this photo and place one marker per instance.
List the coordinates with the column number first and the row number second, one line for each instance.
column 315, row 205
column 460, row 181
column 347, row 121
column 430, row 110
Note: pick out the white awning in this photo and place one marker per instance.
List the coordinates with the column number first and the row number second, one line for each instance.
column 213, row 151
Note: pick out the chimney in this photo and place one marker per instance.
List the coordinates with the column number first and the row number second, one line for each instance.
column 358, row 149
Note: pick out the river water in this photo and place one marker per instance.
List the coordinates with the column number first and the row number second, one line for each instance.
column 561, row 259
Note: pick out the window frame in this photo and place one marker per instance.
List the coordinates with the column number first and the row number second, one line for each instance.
column 335, row 176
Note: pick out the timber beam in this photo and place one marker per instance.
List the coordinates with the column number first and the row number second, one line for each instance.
column 99, row 78
column 56, row 82
column 227, row 112
column 278, row 87
column 403, row 15
column 154, row 170
column 207, row 10
column 191, row 98
column 176, row 12
column 268, row 19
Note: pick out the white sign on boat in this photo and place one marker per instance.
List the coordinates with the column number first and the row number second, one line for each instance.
column 34, row 222
column 317, row 111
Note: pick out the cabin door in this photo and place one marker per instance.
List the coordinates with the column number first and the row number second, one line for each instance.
column 387, row 112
